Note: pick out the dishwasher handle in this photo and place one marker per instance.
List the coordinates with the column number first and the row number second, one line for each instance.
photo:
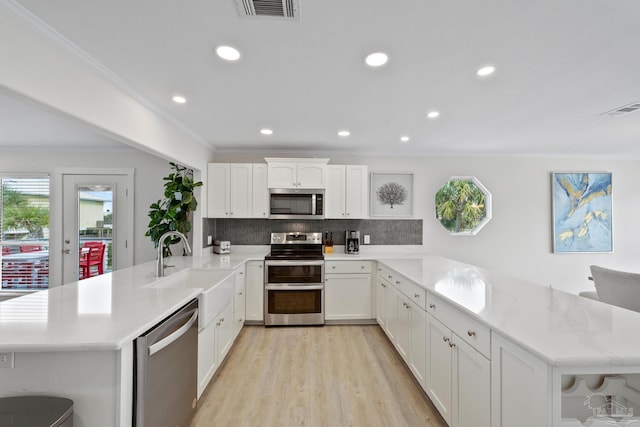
column 156, row 347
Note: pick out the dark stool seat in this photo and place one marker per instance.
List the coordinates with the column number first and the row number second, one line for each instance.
column 36, row 411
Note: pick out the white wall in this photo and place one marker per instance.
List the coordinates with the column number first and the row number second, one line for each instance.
column 149, row 171
column 518, row 239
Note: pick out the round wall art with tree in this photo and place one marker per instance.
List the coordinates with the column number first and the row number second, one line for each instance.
column 391, row 194
column 463, row 205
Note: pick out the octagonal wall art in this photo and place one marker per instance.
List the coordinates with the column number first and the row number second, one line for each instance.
column 463, row 205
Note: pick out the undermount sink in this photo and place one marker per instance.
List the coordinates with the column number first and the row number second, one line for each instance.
column 217, row 286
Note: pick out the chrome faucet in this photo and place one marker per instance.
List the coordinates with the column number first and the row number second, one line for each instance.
column 160, row 261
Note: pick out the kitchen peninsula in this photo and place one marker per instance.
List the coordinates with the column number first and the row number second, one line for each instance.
column 480, row 343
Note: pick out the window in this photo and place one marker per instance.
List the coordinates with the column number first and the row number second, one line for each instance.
column 24, row 221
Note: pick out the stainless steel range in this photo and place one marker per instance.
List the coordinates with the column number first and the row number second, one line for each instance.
column 294, row 280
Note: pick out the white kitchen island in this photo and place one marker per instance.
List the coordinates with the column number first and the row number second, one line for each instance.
column 489, row 350
column 76, row 341
column 536, row 356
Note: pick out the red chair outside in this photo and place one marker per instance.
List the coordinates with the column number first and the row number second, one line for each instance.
column 94, row 258
column 30, row 248
column 6, row 250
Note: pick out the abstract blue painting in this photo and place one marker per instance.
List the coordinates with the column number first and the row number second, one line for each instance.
column 582, row 212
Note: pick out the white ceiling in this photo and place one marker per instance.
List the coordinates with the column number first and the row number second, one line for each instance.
column 560, row 65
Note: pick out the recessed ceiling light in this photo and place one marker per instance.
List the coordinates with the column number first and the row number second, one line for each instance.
column 486, row 71
column 228, row 53
column 179, row 99
column 433, row 114
column 404, row 138
column 266, row 131
column 344, row 133
column 376, row 59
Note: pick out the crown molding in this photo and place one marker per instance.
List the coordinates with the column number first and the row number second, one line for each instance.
column 24, row 16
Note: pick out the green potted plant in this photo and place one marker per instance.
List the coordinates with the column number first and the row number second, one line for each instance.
column 173, row 213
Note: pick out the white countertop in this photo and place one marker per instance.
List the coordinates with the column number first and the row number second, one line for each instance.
column 562, row 329
column 105, row 312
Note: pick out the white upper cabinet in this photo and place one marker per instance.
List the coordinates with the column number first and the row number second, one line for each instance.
column 357, row 186
column 297, row 173
column 234, row 192
column 241, row 186
column 260, row 191
column 346, row 194
column 218, row 190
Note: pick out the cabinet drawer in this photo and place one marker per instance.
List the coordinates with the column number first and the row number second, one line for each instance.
column 412, row 291
column 385, row 273
column 331, row 267
column 470, row 330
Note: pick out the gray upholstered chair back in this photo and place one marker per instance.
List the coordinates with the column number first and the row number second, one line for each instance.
column 617, row 287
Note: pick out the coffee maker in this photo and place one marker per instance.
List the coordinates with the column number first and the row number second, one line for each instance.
column 352, row 242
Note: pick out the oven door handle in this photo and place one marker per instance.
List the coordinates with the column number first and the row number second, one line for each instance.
column 292, row 262
column 297, row 287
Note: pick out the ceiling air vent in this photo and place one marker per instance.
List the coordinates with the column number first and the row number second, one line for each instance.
column 621, row 111
column 270, row 9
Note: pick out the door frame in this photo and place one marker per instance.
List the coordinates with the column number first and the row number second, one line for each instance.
column 56, row 209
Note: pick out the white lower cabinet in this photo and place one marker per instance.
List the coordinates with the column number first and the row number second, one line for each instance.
column 347, row 290
column 206, row 356
column 439, row 367
column 471, row 386
column 214, row 341
column 216, row 337
column 239, row 302
column 412, row 333
column 458, row 378
column 403, row 320
column 447, row 351
column 254, row 291
column 386, row 312
column 224, row 332
column 520, row 386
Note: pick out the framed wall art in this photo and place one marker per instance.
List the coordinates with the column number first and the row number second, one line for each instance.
column 581, row 212
column 391, row 194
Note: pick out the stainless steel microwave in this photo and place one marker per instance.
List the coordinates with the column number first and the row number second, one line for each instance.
column 289, row 203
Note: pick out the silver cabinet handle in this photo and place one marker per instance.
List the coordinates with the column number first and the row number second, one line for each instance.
column 471, row 333
column 66, row 251
column 333, row 266
column 397, row 282
column 452, row 344
column 445, row 339
column 241, row 272
column 362, row 267
column 432, row 306
column 416, row 295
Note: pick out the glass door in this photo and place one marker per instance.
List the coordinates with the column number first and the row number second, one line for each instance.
column 94, row 225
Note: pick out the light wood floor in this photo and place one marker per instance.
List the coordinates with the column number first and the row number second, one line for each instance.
column 314, row 376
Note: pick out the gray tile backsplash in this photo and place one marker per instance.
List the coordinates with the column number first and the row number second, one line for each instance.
column 258, row 231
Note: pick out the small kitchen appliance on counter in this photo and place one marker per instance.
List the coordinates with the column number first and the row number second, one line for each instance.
column 221, row 247
column 352, row 242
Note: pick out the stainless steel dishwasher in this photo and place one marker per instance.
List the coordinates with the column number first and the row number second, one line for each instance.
column 166, row 377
